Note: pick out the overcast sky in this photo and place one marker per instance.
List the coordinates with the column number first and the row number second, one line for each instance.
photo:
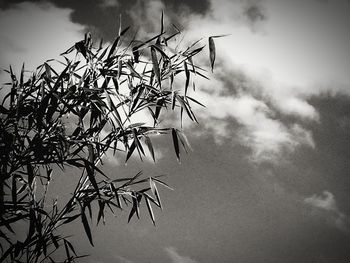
column 269, row 176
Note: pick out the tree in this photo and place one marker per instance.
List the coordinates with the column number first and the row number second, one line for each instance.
column 96, row 90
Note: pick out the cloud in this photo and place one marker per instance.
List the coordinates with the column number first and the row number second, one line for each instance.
column 176, row 257
column 326, row 203
column 239, row 94
column 254, row 13
column 293, row 58
column 268, row 69
column 258, row 128
column 34, row 32
column 146, row 16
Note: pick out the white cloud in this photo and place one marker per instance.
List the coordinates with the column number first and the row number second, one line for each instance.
column 258, row 129
column 259, row 92
column 34, row 32
column 326, row 202
column 296, row 55
column 176, row 257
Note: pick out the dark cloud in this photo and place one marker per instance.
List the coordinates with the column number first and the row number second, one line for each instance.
column 255, row 14
column 103, row 20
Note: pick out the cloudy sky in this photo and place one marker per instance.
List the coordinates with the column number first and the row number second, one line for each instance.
column 268, row 179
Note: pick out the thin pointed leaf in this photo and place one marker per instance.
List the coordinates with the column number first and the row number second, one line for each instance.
column 54, row 240
column 136, row 54
column 150, row 147
column 176, row 143
column 48, row 71
column 120, row 25
column 156, row 66
column 184, row 141
column 130, row 151
column 135, row 206
column 162, row 183
column 86, row 226
column 218, row 36
column 196, row 101
column 162, row 23
column 116, row 42
column 187, row 73
column 67, row 250
column 173, row 100
column 90, row 169
column 101, row 206
column 22, row 75
column 156, row 193
column 212, row 53
column 150, row 211
column 71, row 247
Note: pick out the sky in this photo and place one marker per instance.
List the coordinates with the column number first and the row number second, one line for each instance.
column 268, row 177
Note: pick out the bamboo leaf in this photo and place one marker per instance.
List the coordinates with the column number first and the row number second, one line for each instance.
column 195, row 101
column 67, row 250
column 176, row 143
column 150, row 147
column 54, row 241
column 130, row 151
column 48, row 71
column 21, row 76
column 162, row 183
column 173, row 100
column 184, row 141
column 162, row 23
column 187, row 73
column 218, row 36
column 3, row 110
column 101, row 206
column 136, row 199
column 69, row 219
column 159, row 106
column 137, row 143
column 86, row 226
column 212, row 52
column 132, row 70
column 150, row 211
column 69, row 50
column 185, row 106
column 120, row 68
column 71, row 247
column 136, row 54
column 156, row 66
column 90, row 168
column 116, row 42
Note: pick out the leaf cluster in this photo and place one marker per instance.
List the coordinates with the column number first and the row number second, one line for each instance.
column 74, row 114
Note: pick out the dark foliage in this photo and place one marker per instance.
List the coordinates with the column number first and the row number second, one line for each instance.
column 72, row 116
